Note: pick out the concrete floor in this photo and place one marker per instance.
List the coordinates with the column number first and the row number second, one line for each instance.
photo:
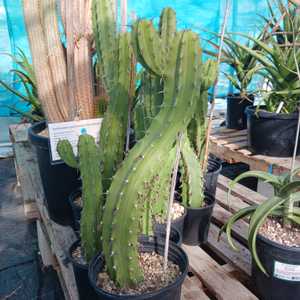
column 5, row 145
column 22, row 276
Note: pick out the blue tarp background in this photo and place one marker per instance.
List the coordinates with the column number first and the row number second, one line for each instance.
column 195, row 14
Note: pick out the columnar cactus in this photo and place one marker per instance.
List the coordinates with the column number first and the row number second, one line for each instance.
column 192, row 152
column 115, row 54
column 88, row 162
column 180, row 68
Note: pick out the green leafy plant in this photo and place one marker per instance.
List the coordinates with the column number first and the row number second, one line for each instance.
column 284, row 205
column 25, row 76
column 243, row 64
column 278, row 48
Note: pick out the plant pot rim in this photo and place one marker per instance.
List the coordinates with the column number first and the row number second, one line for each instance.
column 178, row 280
column 215, row 162
column 72, row 259
column 277, row 245
column 35, row 129
column 264, row 114
column 211, row 203
column 239, row 96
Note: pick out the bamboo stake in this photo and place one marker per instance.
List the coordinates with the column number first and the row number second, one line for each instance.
column 171, row 200
column 212, row 108
column 45, row 85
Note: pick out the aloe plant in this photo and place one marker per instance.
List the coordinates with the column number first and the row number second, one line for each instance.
column 276, row 54
column 24, row 75
column 243, row 64
column 284, row 205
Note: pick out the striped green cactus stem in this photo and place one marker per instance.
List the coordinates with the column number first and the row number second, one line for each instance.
column 88, row 162
column 115, row 53
column 181, row 73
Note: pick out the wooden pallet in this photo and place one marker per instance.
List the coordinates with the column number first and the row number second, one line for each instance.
column 232, row 146
column 218, row 272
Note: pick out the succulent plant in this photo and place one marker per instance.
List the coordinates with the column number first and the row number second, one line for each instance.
column 115, row 55
column 178, row 63
column 88, row 163
column 283, row 205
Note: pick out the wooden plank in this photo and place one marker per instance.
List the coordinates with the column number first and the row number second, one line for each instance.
column 240, row 259
column 233, row 204
column 247, row 195
column 233, row 133
column 25, row 164
column 214, row 278
column 192, row 289
column 240, row 228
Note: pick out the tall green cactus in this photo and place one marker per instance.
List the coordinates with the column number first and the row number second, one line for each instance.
column 192, row 152
column 181, row 73
column 88, row 163
column 115, row 54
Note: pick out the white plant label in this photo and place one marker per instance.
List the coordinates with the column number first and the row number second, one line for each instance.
column 287, row 271
column 71, row 131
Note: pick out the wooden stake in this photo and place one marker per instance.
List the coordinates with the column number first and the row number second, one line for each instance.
column 212, row 108
column 171, row 199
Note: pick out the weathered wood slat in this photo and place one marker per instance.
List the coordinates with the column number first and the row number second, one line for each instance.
column 192, row 289
column 247, row 195
column 231, row 145
column 218, row 282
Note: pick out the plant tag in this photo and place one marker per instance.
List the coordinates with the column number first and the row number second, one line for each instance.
column 287, row 271
column 71, row 131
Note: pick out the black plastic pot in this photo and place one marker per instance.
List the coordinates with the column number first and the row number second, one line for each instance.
column 281, row 263
column 76, row 209
column 160, row 234
column 58, row 180
column 171, row 292
column 85, row 290
column 211, row 177
column 197, row 223
column 232, row 171
column 271, row 134
column 177, row 224
column 235, row 116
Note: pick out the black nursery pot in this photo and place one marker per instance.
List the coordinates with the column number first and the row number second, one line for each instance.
column 171, row 292
column 160, row 234
column 197, row 222
column 211, row 177
column 178, row 224
column 271, row 134
column 282, row 264
column 76, row 209
column 235, row 116
column 58, row 180
column 81, row 271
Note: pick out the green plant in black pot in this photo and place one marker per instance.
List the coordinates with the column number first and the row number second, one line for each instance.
column 140, row 181
column 278, row 55
column 273, row 236
column 25, row 78
column 197, row 195
column 243, row 66
column 88, row 163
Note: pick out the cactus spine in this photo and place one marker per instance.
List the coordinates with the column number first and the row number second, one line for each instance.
column 180, row 71
column 88, row 163
column 115, row 54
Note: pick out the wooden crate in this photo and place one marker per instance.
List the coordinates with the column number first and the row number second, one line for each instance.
column 217, row 271
column 232, row 146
